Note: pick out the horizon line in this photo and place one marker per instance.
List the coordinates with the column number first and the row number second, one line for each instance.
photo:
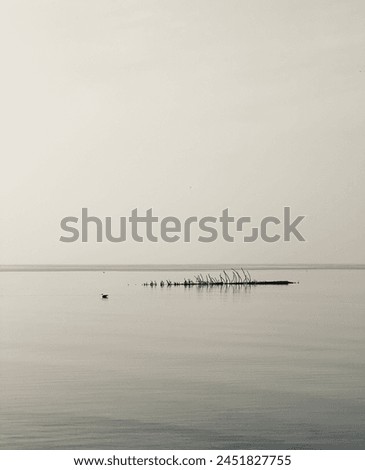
column 173, row 266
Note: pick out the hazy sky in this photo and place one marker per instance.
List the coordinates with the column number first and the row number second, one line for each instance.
column 188, row 107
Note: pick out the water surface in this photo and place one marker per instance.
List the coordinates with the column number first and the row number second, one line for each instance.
column 270, row 367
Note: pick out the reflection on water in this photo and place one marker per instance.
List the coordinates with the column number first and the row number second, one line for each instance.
column 208, row 368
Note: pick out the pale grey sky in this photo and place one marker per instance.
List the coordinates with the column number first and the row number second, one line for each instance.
column 187, row 107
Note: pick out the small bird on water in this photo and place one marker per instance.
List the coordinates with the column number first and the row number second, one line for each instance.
column 104, row 296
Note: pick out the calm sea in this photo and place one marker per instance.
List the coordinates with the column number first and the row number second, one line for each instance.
column 270, row 367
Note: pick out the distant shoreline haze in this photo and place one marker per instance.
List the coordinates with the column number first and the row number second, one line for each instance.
column 171, row 267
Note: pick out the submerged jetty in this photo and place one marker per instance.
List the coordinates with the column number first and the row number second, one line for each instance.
column 235, row 278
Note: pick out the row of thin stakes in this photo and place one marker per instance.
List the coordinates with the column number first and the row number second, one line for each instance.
column 242, row 278
column 200, row 280
column 234, row 279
